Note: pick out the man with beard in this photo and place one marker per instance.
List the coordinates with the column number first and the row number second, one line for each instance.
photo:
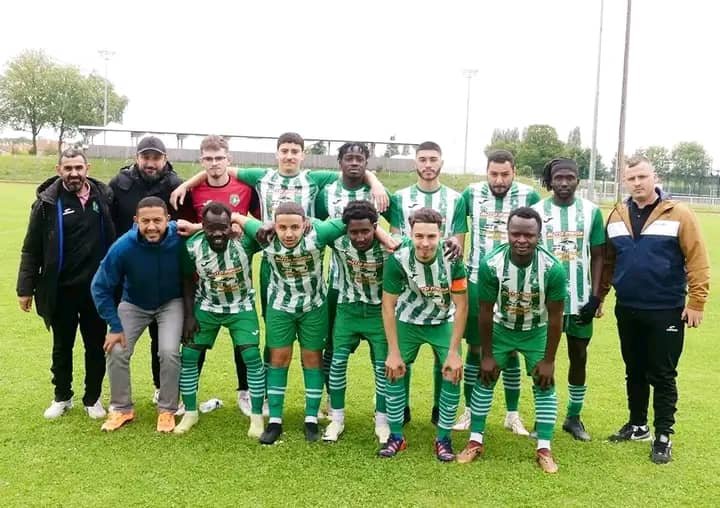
column 150, row 175
column 428, row 192
column 222, row 297
column 69, row 232
column 521, row 293
column 574, row 231
column 488, row 206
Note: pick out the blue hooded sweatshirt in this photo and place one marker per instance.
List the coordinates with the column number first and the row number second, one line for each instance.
column 148, row 272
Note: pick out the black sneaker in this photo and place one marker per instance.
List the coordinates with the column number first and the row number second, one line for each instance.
column 630, row 432
column 312, row 431
column 406, row 416
column 574, row 426
column 661, row 450
column 271, row 434
column 435, row 415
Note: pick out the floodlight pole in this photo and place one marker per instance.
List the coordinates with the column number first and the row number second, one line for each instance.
column 468, row 74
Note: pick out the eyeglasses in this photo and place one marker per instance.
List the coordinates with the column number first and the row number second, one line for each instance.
column 218, row 158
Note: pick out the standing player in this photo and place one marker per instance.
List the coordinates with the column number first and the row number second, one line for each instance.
column 428, row 192
column 573, row 230
column 488, row 206
column 296, row 308
column 330, row 203
column 223, row 187
column 223, row 296
column 522, row 290
column 359, row 274
column 424, row 302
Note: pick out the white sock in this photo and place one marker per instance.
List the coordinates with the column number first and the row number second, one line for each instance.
column 275, row 419
column 381, row 419
column 311, row 419
column 513, row 414
column 543, row 443
column 477, row 437
column 337, row 415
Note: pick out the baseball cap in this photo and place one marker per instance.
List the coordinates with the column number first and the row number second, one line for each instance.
column 151, row 143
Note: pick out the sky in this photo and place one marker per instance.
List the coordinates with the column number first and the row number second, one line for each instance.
column 372, row 69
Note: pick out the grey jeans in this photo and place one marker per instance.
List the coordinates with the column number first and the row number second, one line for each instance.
column 134, row 320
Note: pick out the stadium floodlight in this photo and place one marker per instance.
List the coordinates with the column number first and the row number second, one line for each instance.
column 593, row 153
column 468, row 74
column 620, row 158
column 105, row 55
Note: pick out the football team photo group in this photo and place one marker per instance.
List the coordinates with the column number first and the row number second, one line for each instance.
column 492, row 278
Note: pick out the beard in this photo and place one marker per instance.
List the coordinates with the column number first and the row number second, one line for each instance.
column 153, row 177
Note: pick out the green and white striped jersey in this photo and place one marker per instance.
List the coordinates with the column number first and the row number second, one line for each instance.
column 520, row 293
column 296, row 274
column 569, row 232
column 488, row 218
column 423, row 288
column 225, row 278
column 445, row 200
column 274, row 188
column 331, row 203
column 359, row 274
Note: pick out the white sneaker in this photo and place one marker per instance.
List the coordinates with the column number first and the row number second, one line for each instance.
column 333, row 431
column 180, row 410
column 257, row 426
column 210, row 405
column 188, row 422
column 515, row 424
column 243, row 402
column 96, row 411
column 382, row 431
column 156, row 396
column 57, row 409
column 463, row 421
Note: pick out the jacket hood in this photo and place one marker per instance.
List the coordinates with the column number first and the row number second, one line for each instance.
column 48, row 190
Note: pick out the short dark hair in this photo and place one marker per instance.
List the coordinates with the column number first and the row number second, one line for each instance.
column 215, row 207
column 359, row 210
column 429, row 145
column 557, row 163
column 71, row 153
column 151, row 202
column 500, row 157
column 426, row 216
column 349, row 146
column 525, row 212
column 289, row 208
column 291, row 137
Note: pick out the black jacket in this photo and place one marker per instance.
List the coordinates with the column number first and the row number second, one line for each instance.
column 128, row 188
column 41, row 257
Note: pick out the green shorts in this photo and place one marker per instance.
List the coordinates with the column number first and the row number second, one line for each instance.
column 357, row 321
column 310, row 328
column 243, row 327
column 573, row 329
column 411, row 337
column 530, row 343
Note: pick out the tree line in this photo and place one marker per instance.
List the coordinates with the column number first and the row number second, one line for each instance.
column 37, row 93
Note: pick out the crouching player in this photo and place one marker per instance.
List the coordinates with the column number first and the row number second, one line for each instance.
column 522, row 290
column 361, row 258
column 222, row 296
column 424, row 302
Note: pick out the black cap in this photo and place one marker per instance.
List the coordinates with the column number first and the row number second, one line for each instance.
column 151, row 143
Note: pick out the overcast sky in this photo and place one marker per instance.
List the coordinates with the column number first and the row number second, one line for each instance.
column 368, row 70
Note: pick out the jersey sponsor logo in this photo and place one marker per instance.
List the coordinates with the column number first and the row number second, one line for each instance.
column 566, row 250
column 234, row 199
column 68, row 211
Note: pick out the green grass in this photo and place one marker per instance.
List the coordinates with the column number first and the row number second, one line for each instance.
column 69, row 462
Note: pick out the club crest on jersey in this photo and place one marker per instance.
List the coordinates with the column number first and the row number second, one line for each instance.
column 234, row 199
column 95, row 207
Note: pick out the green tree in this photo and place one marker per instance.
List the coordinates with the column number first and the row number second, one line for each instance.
column 539, row 144
column 391, row 149
column 574, row 139
column 504, row 139
column 26, row 95
column 318, row 148
column 689, row 159
column 659, row 157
